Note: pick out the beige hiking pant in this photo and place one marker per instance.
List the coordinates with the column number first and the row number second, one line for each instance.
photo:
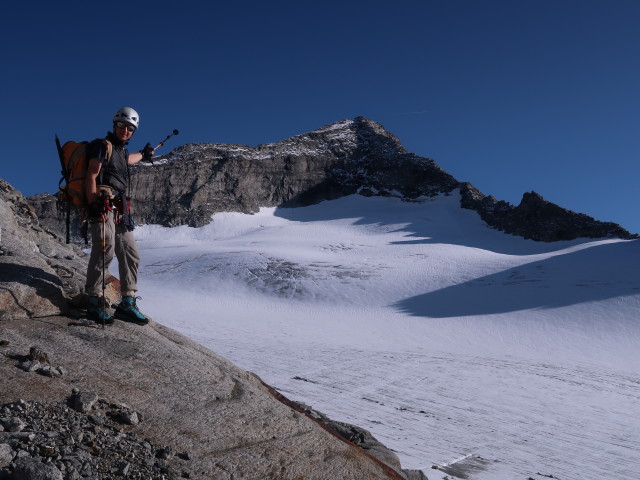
column 119, row 242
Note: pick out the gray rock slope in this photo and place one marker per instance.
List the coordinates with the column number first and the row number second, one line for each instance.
column 351, row 156
column 78, row 400
column 228, row 424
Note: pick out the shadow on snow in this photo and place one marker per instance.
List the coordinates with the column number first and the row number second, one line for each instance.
column 597, row 273
column 440, row 220
column 594, row 273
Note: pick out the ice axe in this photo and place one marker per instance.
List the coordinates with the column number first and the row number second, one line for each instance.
column 175, row 132
column 148, row 150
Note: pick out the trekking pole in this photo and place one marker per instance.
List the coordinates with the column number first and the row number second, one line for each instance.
column 104, row 252
column 175, row 132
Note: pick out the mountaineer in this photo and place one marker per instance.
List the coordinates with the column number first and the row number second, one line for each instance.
column 108, row 190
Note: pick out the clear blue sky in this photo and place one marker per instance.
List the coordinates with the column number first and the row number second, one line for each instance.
column 510, row 95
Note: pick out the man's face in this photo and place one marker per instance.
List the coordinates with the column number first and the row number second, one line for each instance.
column 123, row 131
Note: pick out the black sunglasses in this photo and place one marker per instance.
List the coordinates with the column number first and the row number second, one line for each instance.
column 129, row 128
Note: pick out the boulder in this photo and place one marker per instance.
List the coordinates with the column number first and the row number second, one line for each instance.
column 6, row 455
column 38, row 271
column 30, row 469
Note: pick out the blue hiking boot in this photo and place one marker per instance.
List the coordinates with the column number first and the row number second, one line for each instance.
column 96, row 310
column 128, row 311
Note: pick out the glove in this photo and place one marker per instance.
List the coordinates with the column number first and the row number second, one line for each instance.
column 95, row 209
column 147, row 152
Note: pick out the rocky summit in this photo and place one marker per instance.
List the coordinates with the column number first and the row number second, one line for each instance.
column 356, row 156
column 353, row 156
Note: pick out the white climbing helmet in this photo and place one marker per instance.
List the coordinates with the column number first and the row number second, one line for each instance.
column 127, row 114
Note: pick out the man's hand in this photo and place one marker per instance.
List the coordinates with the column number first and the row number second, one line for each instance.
column 96, row 210
column 147, row 152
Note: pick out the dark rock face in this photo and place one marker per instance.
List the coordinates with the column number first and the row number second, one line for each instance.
column 537, row 219
column 359, row 156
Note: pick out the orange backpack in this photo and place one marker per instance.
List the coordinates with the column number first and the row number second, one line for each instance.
column 74, row 162
column 73, row 159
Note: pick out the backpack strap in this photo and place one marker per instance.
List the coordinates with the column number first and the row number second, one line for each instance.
column 108, row 151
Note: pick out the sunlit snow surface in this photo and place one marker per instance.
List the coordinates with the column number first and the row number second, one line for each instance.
column 414, row 320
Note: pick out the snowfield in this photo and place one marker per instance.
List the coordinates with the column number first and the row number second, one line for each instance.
column 489, row 356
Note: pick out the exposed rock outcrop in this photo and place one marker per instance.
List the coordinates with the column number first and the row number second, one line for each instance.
column 37, row 269
column 537, row 219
